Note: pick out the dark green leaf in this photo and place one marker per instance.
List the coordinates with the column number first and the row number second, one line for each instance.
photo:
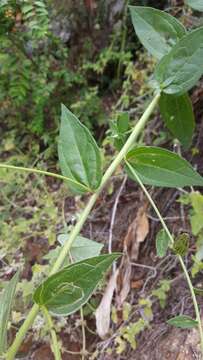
column 6, row 301
column 182, row 67
column 162, row 242
column 66, row 291
column 183, row 322
column 157, row 30
column 178, row 116
column 181, row 244
column 195, row 4
column 159, row 167
column 79, row 155
column 82, row 247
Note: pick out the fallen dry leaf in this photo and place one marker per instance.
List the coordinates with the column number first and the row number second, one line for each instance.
column 123, row 280
column 136, row 234
column 103, row 312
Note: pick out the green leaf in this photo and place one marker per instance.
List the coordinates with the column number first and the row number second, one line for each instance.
column 122, row 122
column 156, row 30
column 182, row 67
column 162, row 292
column 178, row 116
column 181, row 244
column 162, row 242
column 82, row 247
column 198, row 291
column 196, row 217
column 195, row 4
column 79, row 155
column 159, row 167
column 66, row 291
column 120, row 128
column 6, row 301
column 183, row 322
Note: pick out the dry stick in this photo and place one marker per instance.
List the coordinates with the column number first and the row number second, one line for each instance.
column 76, row 230
column 197, row 312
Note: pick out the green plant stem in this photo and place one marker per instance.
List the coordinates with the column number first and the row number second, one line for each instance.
column 197, row 312
column 55, row 345
column 42, row 172
column 22, row 331
column 76, row 230
column 151, row 201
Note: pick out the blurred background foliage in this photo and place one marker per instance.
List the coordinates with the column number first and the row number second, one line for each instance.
column 81, row 53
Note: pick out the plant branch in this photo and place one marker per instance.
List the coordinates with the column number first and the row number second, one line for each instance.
column 76, row 230
column 42, row 172
column 22, row 331
column 55, row 345
column 197, row 312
